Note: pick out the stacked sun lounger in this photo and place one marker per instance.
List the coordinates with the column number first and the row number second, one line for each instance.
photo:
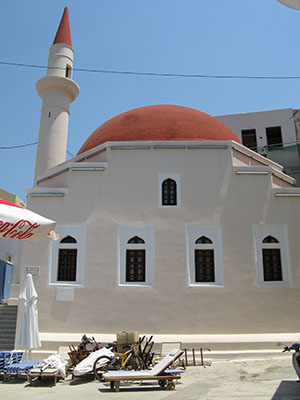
column 20, row 368
column 9, row 357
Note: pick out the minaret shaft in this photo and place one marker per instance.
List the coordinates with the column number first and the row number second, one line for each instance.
column 57, row 91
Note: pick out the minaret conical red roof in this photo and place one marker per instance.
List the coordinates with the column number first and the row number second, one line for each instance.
column 63, row 34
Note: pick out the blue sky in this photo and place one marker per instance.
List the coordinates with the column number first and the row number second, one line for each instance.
column 232, row 37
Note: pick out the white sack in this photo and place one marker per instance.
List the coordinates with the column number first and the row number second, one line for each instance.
column 85, row 366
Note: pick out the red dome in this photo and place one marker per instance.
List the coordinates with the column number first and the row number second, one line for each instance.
column 159, row 122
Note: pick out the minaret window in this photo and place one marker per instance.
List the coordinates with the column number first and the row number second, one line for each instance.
column 68, row 72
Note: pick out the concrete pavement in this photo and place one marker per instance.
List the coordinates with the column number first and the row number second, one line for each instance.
column 273, row 379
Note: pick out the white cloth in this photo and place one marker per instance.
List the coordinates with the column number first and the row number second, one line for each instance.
column 27, row 337
column 54, row 361
column 85, row 366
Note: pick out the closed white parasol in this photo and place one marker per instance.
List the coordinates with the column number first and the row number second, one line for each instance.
column 27, row 337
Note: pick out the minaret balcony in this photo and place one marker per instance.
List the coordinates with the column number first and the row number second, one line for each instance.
column 57, row 82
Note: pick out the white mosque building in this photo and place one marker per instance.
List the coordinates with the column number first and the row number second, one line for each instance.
column 168, row 224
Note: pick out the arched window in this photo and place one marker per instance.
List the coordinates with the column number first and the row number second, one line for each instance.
column 169, row 192
column 68, row 239
column 203, row 240
column 135, row 239
column 136, row 260
column 205, row 256
column 67, row 260
column 272, row 255
column 270, row 239
column 271, row 258
column 204, row 260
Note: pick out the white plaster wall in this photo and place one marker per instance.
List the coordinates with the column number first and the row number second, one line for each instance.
column 211, row 195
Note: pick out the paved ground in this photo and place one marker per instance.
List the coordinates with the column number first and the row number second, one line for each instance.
column 256, row 380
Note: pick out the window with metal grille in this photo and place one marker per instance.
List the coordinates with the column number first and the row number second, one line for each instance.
column 204, row 261
column 136, row 255
column 135, row 265
column 135, row 261
column 249, row 138
column 169, row 192
column 67, row 261
column 271, row 258
column 204, row 266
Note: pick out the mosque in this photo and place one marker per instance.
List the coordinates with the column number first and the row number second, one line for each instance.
column 168, row 224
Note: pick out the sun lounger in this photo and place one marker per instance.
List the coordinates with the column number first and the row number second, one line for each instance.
column 9, row 357
column 54, row 367
column 39, row 373
column 20, row 368
column 159, row 373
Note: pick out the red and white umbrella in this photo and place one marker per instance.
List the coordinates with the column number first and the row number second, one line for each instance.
column 22, row 224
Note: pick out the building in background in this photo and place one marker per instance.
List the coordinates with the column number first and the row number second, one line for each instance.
column 274, row 134
column 13, row 198
column 10, row 248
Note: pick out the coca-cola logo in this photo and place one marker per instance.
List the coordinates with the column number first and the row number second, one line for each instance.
column 22, row 229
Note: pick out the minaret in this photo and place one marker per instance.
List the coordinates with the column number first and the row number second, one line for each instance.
column 57, row 91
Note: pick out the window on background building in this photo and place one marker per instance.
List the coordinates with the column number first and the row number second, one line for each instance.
column 67, row 260
column 274, row 136
column 271, row 259
column 249, row 138
column 205, row 256
column 136, row 261
column 204, row 260
column 169, row 193
column 67, row 256
column 136, row 255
